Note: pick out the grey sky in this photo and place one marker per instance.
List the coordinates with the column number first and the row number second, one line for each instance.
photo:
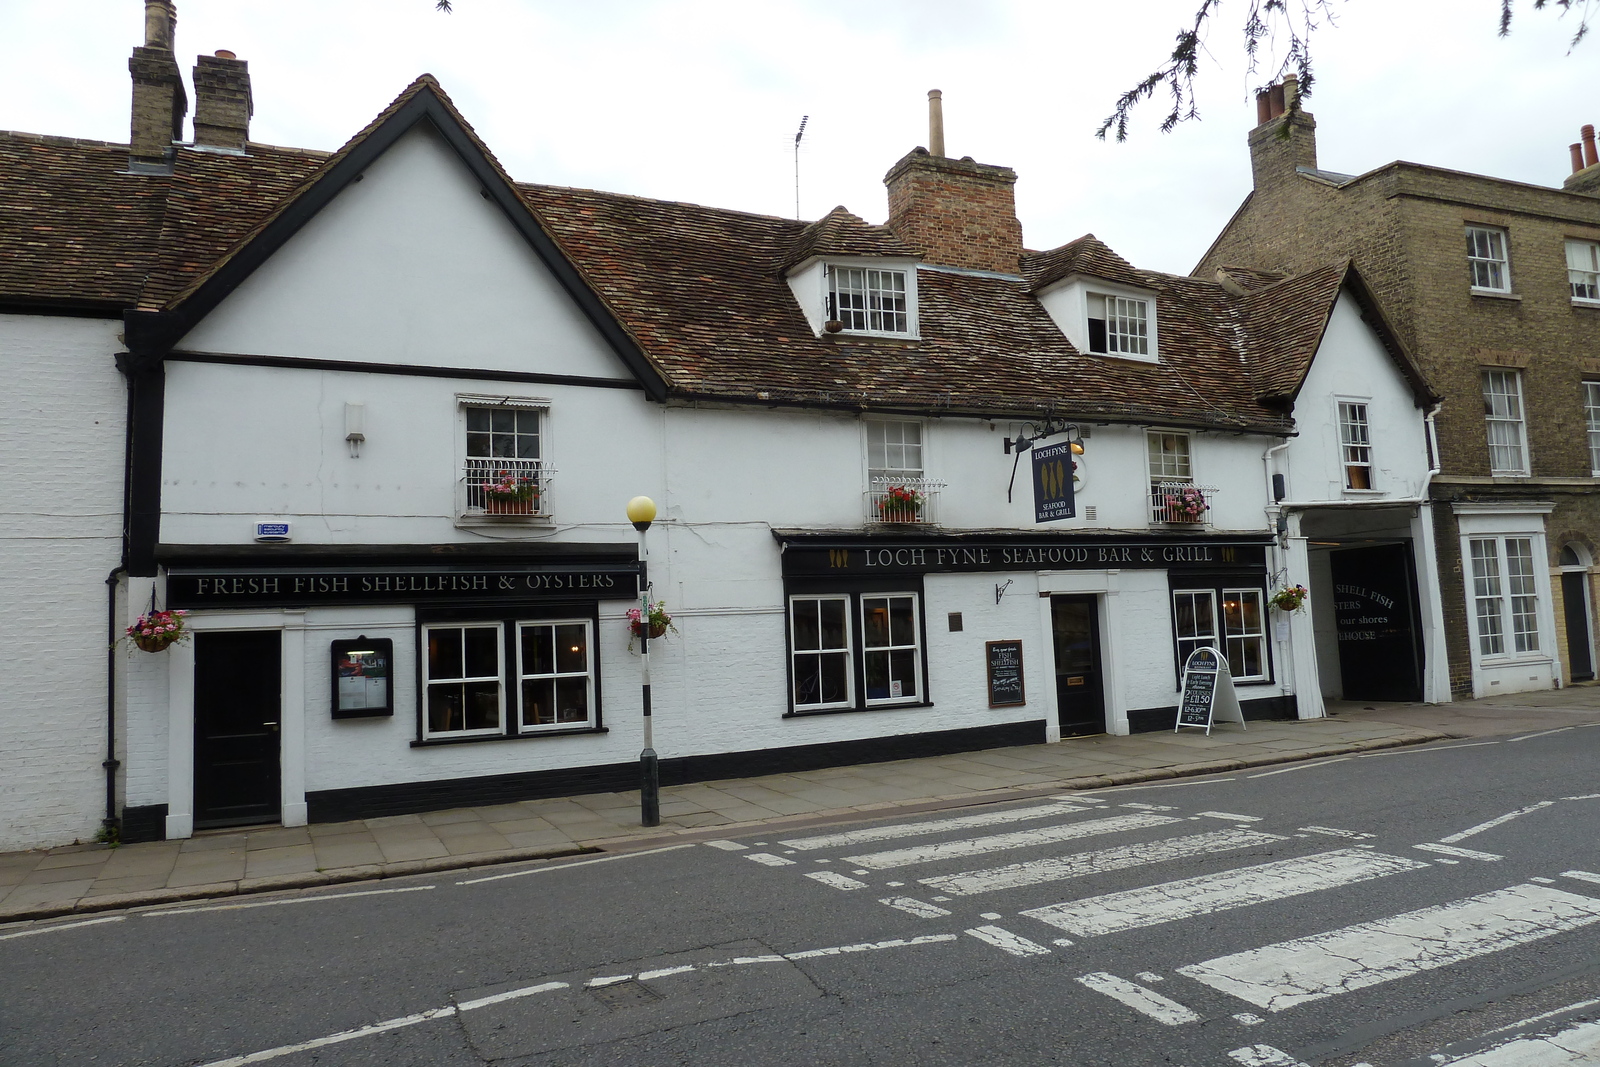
column 699, row 100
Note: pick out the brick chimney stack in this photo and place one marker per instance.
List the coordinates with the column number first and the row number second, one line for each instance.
column 957, row 213
column 1285, row 138
column 222, row 102
column 159, row 102
column 1585, row 176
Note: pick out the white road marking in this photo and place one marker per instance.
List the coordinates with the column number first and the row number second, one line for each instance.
column 936, row 826
column 1582, row 876
column 580, row 863
column 977, row 846
column 836, row 880
column 1230, row 816
column 601, row 983
column 1249, row 1018
column 1492, row 823
column 1530, row 1020
column 1064, row 942
column 1264, row 1056
column 289, row 900
column 1586, row 796
column 1333, row 831
column 1138, row 806
column 1140, row 999
column 1149, row 976
column 871, row 946
column 1542, row 881
column 510, row 994
column 62, row 926
column 1459, row 853
column 1300, row 767
column 1149, row 905
column 913, row 906
column 333, row 1039
column 1016, row 875
column 1576, row 1046
column 1290, row 973
column 646, row 976
column 1007, row 941
column 726, row 846
column 740, row 961
column 1541, row 733
column 767, row 859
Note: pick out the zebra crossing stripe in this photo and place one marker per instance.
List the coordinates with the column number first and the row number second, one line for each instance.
column 936, row 826
column 1582, row 876
column 977, row 846
column 767, row 859
column 1572, row 1047
column 1009, row 942
column 913, row 906
column 1139, row 998
column 1149, row 905
column 838, row 881
column 1264, row 1056
column 1060, row 868
column 1291, row 973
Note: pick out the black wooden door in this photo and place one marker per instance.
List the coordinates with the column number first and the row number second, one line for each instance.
column 1080, row 695
column 237, row 701
column 1577, row 613
column 1375, row 615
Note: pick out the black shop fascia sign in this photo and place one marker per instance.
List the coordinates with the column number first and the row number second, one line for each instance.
column 816, row 555
column 226, row 587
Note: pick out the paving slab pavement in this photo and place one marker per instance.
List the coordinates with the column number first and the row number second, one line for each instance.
column 78, row 879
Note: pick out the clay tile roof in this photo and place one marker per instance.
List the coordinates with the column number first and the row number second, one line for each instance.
column 1087, row 255
column 839, row 233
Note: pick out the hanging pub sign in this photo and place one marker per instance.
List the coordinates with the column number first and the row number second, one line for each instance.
column 1052, row 483
column 1208, row 695
column 1004, row 660
column 362, row 677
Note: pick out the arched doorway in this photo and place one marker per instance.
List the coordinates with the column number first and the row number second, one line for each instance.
column 1574, row 561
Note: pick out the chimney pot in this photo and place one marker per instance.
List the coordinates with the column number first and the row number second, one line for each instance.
column 223, row 53
column 1275, row 96
column 1263, row 107
column 1577, row 157
column 160, row 20
column 1589, row 156
column 935, row 122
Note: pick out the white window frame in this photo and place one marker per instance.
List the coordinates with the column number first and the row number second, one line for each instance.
column 555, row 677
column 878, row 433
column 1488, row 259
column 1504, row 416
column 1187, row 643
column 1069, row 304
column 847, row 650
column 889, row 650
column 1124, row 322
column 498, row 678
column 1583, row 270
column 872, row 286
column 1355, row 444
column 1244, row 636
column 1591, row 413
column 473, row 470
column 1504, row 587
column 1181, row 466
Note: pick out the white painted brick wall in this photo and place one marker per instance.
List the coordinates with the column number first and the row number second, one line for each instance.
column 62, row 417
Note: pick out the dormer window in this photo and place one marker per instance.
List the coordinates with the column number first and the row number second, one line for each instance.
column 865, row 300
column 1105, row 318
column 1118, row 325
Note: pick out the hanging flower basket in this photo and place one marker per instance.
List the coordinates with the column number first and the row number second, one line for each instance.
column 156, row 631
column 1290, row 598
column 658, row 622
column 900, row 504
column 510, row 494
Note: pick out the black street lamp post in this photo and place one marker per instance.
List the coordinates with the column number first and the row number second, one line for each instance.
column 641, row 512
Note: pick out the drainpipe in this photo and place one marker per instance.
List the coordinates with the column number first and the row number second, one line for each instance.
column 109, row 825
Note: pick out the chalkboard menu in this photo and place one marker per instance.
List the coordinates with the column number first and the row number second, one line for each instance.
column 1208, row 695
column 1005, row 673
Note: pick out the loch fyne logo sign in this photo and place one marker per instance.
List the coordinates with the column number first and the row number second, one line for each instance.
column 869, row 558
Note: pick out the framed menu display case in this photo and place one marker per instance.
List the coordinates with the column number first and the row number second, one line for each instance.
column 363, row 678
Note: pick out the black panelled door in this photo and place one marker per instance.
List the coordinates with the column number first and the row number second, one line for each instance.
column 1080, row 700
column 237, row 701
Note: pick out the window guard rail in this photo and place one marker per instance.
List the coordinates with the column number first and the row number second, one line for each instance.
column 1181, row 503
column 500, row 486
column 903, row 500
